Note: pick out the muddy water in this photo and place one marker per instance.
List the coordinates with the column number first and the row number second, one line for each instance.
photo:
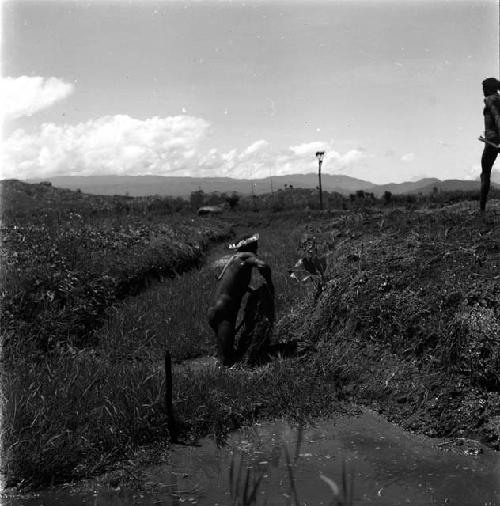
column 387, row 466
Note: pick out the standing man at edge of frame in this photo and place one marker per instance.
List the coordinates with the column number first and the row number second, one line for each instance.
column 491, row 113
column 234, row 282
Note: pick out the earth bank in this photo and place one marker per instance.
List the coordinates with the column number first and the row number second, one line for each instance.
column 408, row 319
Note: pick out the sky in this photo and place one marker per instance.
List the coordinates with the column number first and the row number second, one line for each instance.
column 389, row 89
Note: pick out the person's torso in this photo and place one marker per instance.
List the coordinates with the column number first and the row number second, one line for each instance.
column 235, row 278
column 490, row 128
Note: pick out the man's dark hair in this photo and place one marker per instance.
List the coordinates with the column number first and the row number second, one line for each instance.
column 491, row 85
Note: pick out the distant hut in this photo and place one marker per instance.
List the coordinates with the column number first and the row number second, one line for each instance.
column 210, row 210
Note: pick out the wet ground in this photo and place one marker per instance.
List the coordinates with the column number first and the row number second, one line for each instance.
column 382, row 463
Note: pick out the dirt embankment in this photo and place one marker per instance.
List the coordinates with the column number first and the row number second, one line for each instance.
column 409, row 319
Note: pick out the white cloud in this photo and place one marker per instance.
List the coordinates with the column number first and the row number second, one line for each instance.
column 309, row 148
column 110, row 145
column 302, row 159
column 24, row 96
column 473, row 173
column 408, row 157
column 253, row 148
column 350, row 157
column 334, row 162
column 162, row 146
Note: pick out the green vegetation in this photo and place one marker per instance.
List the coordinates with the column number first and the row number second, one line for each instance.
column 64, row 264
column 75, row 410
column 404, row 317
column 290, row 198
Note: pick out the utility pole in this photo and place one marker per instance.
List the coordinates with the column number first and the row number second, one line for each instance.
column 254, row 198
column 320, row 156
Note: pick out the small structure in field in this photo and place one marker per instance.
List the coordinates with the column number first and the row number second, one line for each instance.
column 210, row 210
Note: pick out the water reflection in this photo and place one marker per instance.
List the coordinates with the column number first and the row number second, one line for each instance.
column 387, row 465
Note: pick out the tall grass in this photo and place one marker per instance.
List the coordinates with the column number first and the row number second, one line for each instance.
column 169, row 316
column 58, row 278
column 72, row 411
column 68, row 406
column 73, row 414
column 173, row 315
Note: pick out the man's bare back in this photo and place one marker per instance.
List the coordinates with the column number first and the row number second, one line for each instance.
column 235, row 279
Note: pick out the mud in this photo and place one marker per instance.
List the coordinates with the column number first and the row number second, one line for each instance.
column 380, row 463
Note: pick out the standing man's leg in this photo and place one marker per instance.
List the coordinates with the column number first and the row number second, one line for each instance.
column 225, row 342
column 223, row 325
column 487, row 160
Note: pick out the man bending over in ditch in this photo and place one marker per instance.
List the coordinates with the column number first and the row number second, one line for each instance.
column 234, row 282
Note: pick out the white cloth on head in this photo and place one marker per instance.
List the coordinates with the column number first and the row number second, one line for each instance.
column 244, row 242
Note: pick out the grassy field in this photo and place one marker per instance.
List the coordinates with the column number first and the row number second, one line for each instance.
column 62, row 267
column 405, row 319
column 75, row 409
column 64, row 264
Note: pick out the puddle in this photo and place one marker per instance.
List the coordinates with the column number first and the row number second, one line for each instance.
column 387, row 465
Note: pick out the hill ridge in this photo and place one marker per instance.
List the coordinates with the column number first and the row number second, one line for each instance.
column 183, row 185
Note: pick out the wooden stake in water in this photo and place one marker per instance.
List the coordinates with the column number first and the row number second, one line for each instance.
column 172, row 430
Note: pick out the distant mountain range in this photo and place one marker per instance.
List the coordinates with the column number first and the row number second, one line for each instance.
column 183, row 186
